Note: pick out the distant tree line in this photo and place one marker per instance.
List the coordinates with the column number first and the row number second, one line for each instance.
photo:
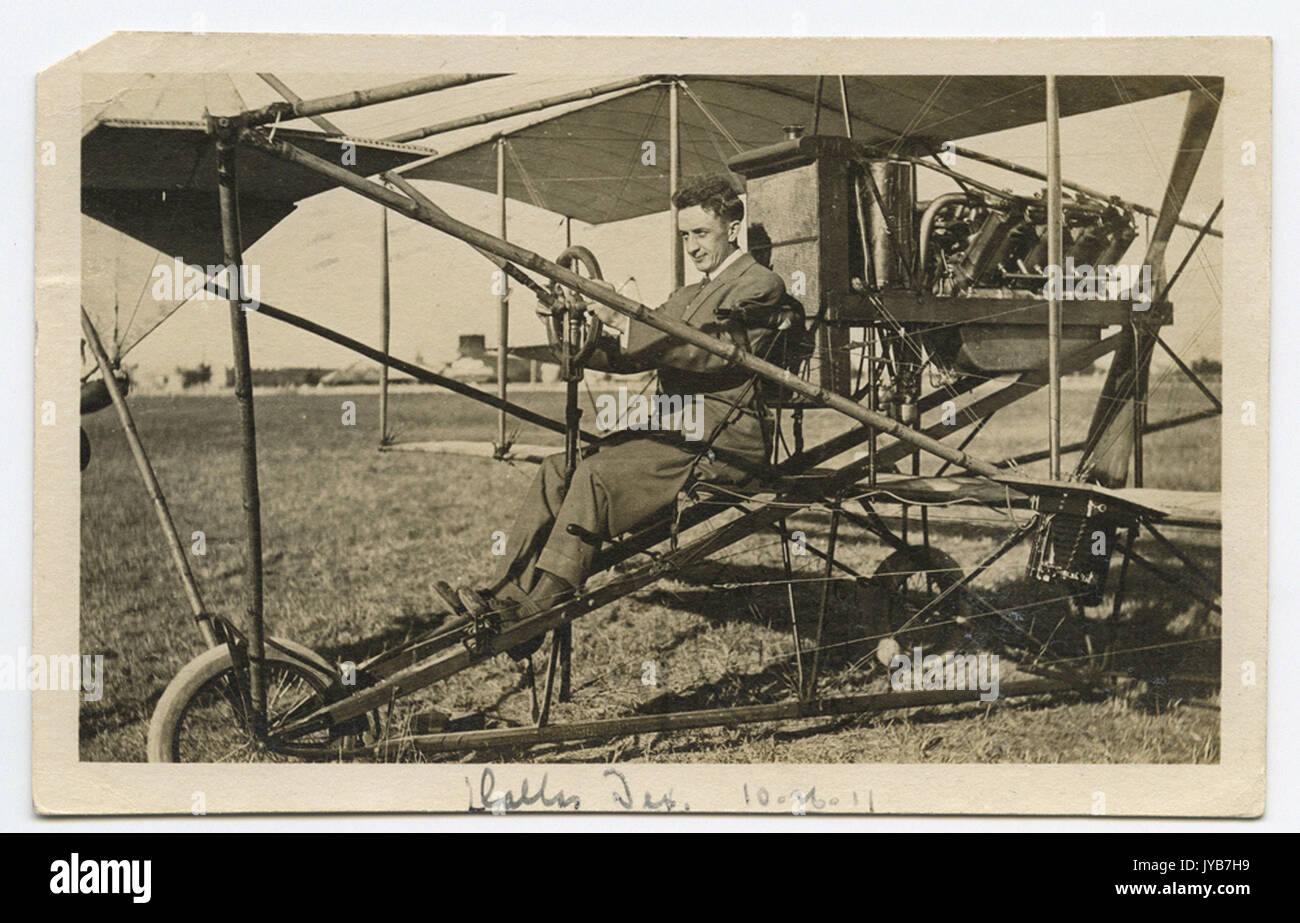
column 279, row 378
column 200, row 375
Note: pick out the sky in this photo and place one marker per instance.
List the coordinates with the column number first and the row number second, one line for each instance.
column 323, row 261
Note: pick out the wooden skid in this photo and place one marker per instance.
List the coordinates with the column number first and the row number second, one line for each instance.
column 711, row 717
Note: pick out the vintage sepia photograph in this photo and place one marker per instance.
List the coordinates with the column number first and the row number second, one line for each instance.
column 602, row 440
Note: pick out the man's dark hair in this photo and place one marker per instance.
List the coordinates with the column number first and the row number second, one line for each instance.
column 715, row 194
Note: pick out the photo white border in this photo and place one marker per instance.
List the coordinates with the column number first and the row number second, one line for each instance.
column 952, row 65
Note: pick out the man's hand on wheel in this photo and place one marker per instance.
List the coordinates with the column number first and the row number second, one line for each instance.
column 608, row 316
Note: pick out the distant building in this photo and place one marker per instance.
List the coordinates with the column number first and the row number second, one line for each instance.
column 472, row 346
column 361, row 372
column 477, row 365
column 292, row 377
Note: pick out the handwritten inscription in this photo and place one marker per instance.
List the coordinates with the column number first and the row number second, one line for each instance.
column 537, row 794
column 800, row 801
column 622, row 793
column 502, row 802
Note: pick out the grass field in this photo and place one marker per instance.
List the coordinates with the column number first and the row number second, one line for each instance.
column 354, row 536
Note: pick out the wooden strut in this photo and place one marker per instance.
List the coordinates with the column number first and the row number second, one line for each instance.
column 1027, row 457
column 174, row 545
column 1054, row 260
column 675, row 250
column 417, row 372
column 290, row 96
column 789, row 595
column 744, row 714
column 1126, row 378
column 1191, row 376
column 1121, row 592
column 1158, row 571
column 356, row 99
column 817, row 104
column 385, row 327
column 810, row 692
column 233, row 256
column 510, row 269
column 503, row 303
column 1188, row 563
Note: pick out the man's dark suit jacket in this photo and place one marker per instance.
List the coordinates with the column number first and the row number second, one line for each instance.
column 744, row 304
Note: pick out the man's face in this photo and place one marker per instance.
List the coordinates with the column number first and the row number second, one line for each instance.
column 708, row 238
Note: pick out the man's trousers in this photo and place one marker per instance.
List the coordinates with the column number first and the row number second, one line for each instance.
column 614, row 489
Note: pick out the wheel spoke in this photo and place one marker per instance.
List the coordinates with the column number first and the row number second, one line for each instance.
column 214, row 725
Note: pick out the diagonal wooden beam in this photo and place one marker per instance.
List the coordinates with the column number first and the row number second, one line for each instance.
column 357, row 99
column 290, row 96
column 1126, row 379
column 483, row 118
column 415, row 371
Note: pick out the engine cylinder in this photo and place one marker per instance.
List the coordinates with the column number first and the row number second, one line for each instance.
column 891, row 230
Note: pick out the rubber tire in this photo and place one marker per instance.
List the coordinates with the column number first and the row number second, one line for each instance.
column 203, row 668
column 916, row 558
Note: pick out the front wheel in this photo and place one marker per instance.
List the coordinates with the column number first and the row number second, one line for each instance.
column 203, row 716
column 912, row 579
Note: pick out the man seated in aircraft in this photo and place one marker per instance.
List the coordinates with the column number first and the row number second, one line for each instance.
column 637, row 473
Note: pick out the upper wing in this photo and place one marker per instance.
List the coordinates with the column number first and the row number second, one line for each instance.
column 608, row 160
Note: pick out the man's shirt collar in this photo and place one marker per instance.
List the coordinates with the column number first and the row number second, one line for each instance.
column 710, row 276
